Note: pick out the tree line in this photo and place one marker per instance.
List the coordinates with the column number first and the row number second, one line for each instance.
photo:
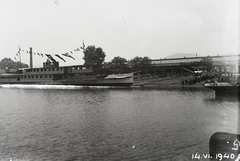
column 10, row 64
column 96, row 56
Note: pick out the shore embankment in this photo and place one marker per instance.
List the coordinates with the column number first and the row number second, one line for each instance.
column 167, row 82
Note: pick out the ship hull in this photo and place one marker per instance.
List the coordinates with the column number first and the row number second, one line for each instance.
column 126, row 82
column 224, row 89
column 75, row 84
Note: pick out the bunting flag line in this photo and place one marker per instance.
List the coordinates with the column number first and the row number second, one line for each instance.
column 67, row 55
column 60, row 57
column 77, row 49
column 50, row 57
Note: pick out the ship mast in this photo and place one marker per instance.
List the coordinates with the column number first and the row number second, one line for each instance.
column 20, row 58
column 31, row 59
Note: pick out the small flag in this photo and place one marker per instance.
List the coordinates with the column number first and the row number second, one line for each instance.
column 67, row 55
column 50, row 57
column 18, row 53
column 83, row 45
column 60, row 57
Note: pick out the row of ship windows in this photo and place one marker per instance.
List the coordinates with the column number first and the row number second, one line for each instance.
column 37, row 76
column 46, row 69
column 26, row 77
column 54, row 69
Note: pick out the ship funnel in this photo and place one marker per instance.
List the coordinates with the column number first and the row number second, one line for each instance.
column 31, row 60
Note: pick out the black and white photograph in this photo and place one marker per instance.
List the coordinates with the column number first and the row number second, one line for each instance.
column 119, row 80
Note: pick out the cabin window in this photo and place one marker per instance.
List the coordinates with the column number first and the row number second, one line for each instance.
column 57, row 69
column 49, row 69
column 50, row 76
column 37, row 70
column 45, row 69
column 45, row 76
column 52, row 69
column 28, row 76
column 32, row 76
column 36, row 76
column 40, row 76
column 25, row 76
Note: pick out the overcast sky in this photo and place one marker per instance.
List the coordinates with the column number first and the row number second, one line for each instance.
column 126, row 28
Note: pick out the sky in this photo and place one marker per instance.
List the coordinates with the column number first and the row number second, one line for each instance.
column 125, row 28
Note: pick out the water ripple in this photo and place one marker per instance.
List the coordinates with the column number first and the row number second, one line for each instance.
column 110, row 124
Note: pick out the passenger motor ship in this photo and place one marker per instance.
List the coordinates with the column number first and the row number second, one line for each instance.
column 224, row 87
column 52, row 74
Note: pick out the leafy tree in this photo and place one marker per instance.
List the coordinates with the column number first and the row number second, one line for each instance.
column 93, row 56
column 118, row 62
column 146, row 62
column 140, row 62
column 8, row 62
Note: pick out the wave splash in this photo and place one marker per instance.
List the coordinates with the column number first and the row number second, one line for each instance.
column 23, row 86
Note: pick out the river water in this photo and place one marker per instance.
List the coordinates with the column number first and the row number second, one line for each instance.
column 111, row 124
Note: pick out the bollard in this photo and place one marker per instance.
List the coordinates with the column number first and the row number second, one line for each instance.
column 224, row 147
